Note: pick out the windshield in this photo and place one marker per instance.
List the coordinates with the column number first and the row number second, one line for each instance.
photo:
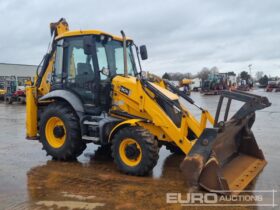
column 110, row 55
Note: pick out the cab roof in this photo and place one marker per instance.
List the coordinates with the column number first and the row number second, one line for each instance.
column 89, row 32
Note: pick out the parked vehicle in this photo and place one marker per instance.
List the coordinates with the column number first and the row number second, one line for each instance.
column 92, row 98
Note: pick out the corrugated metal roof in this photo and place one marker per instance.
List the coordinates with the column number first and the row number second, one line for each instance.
column 20, row 70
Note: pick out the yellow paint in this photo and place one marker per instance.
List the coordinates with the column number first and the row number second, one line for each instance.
column 155, row 130
column 139, row 103
column 28, row 83
column 3, row 91
column 186, row 82
column 88, row 32
column 132, row 122
column 122, row 152
column 209, row 117
column 45, row 84
column 54, row 141
column 166, row 92
column 61, row 27
column 31, row 112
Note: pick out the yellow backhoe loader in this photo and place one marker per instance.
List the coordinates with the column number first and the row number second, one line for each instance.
column 88, row 90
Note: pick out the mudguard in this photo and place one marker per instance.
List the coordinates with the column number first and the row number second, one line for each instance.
column 132, row 122
column 68, row 96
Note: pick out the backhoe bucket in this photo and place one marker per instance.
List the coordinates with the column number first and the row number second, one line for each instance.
column 226, row 158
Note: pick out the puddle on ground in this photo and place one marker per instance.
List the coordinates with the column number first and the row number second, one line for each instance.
column 99, row 182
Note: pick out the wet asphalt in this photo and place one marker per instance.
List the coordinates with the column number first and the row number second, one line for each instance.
column 31, row 180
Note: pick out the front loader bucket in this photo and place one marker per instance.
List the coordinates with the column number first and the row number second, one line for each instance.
column 226, row 158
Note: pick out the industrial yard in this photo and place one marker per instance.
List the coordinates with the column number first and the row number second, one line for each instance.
column 30, row 180
column 139, row 105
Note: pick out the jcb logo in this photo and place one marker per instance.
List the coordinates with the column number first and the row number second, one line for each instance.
column 124, row 90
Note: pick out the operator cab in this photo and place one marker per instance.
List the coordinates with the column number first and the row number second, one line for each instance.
column 85, row 65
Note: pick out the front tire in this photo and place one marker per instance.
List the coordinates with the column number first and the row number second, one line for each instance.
column 8, row 100
column 60, row 132
column 135, row 151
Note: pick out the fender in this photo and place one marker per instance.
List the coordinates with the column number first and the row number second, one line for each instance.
column 132, row 122
column 68, row 96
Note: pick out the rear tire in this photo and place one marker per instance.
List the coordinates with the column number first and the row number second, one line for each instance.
column 135, row 150
column 60, row 132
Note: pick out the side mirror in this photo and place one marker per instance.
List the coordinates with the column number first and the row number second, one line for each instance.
column 105, row 71
column 88, row 45
column 143, row 52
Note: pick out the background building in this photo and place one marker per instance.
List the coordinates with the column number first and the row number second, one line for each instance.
column 19, row 71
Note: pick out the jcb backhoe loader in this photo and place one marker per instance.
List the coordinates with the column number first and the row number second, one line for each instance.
column 89, row 90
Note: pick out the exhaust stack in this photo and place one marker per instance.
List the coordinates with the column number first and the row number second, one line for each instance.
column 124, row 54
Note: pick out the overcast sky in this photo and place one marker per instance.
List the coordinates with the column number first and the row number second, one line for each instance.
column 181, row 36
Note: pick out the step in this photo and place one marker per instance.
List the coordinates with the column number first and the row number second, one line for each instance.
column 90, row 138
column 86, row 122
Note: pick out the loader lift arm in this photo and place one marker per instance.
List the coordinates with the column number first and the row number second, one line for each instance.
column 205, row 115
column 252, row 103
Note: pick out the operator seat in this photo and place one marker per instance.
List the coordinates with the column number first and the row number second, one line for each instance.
column 85, row 85
column 85, row 73
column 84, row 82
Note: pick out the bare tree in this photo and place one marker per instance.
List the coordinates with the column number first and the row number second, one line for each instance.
column 214, row 69
column 203, row 74
column 177, row 76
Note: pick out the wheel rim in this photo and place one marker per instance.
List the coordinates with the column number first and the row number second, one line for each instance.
column 130, row 152
column 55, row 132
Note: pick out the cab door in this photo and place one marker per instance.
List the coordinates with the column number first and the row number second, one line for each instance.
column 80, row 71
column 84, row 58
